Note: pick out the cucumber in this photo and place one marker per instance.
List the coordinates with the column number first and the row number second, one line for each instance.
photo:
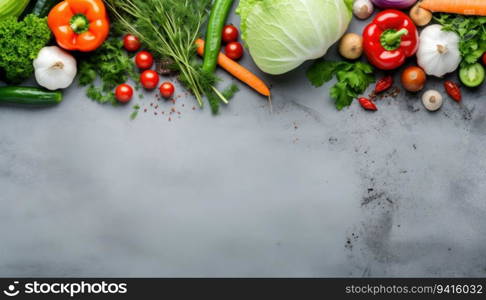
column 29, row 96
column 12, row 8
column 473, row 75
column 43, row 7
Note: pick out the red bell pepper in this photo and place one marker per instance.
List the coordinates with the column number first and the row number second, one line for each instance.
column 390, row 39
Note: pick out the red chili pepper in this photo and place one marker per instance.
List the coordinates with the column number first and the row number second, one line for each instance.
column 453, row 90
column 390, row 39
column 383, row 84
column 367, row 104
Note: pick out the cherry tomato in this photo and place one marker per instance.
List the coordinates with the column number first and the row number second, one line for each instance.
column 144, row 60
column 131, row 42
column 124, row 93
column 149, row 79
column 230, row 34
column 484, row 58
column 234, row 50
column 413, row 79
column 167, row 90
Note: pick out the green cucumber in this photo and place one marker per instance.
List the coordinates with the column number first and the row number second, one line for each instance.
column 29, row 96
column 473, row 75
column 217, row 19
column 43, row 7
column 12, row 8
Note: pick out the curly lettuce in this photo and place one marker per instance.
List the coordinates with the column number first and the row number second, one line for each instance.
column 283, row 34
column 20, row 42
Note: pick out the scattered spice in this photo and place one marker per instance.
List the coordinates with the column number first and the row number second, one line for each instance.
column 394, row 92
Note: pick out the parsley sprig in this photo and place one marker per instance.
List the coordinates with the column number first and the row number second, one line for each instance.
column 353, row 78
column 472, row 33
column 112, row 65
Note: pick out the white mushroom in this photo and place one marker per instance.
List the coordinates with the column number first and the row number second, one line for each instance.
column 432, row 100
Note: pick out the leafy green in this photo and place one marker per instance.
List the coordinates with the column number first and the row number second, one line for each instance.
column 12, row 8
column 283, row 34
column 134, row 114
column 231, row 91
column 352, row 79
column 214, row 96
column 169, row 28
column 20, row 42
column 112, row 65
column 472, row 33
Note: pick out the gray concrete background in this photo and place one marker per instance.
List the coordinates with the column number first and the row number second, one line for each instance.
column 302, row 190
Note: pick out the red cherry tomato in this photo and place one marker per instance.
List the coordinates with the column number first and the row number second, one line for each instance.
column 167, row 90
column 149, row 79
column 131, row 42
column 144, row 60
column 230, row 34
column 234, row 50
column 484, row 59
column 124, row 93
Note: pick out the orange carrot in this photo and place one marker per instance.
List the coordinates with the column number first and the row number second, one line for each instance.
column 237, row 71
column 462, row 7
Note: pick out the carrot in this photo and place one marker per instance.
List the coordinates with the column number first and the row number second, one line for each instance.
column 237, row 71
column 462, row 7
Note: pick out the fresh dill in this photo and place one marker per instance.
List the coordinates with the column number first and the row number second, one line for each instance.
column 169, row 28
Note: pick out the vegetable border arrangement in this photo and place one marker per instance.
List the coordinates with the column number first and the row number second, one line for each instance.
column 115, row 47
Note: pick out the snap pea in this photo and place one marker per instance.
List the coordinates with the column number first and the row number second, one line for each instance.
column 217, row 19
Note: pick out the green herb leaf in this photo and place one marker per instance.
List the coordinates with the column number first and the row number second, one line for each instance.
column 231, row 91
column 112, row 65
column 134, row 114
column 321, row 72
column 472, row 33
column 353, row 79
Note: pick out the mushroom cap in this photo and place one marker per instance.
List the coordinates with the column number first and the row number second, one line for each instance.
column 432, row 100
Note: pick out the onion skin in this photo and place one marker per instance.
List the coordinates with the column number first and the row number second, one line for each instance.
column 399, row 4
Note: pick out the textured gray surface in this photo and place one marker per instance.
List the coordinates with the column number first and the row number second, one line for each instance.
column 300, row 191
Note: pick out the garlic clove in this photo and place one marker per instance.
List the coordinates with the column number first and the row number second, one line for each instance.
column 363, row 9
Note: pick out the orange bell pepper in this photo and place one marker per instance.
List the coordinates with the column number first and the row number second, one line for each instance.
column 79, row 24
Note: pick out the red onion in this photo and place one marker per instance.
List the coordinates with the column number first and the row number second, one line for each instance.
column 394, row 3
